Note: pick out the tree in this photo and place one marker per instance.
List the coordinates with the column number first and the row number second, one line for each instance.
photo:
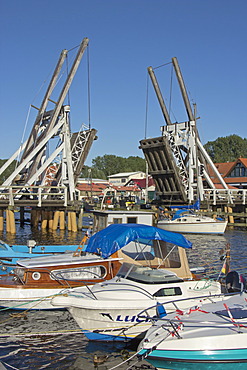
column 90, row 172
column 110, row 164
column 135, row 164
column 8, row 170
column 227, row 149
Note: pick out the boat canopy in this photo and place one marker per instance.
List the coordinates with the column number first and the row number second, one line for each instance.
column 116, row 236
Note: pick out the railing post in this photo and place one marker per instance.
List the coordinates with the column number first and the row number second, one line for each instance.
column 39, row 197
column 11, row 199
column 65, row 197
column 214, row 197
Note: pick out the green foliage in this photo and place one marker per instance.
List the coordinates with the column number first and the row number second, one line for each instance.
column 8, row 170
column 221, row 150
column 227, row 149
column 102, row 167
column 109, row 164
column 89, row 172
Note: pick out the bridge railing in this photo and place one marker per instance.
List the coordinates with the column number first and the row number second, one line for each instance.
column 16, row 193
column 228, row 196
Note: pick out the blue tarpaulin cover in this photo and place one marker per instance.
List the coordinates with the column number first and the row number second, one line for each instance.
column 181, row 213
column 195, row 206
column 116, row 236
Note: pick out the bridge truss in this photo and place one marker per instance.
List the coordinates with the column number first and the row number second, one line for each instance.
column 61, row 166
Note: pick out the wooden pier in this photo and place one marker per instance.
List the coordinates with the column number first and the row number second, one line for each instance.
column 49, row 208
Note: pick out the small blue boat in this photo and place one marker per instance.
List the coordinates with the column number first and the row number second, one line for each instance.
column 10, row 254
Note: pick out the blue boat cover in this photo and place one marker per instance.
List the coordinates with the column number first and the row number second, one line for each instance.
column 195, row 206
column 181, row 213
column 116, row 236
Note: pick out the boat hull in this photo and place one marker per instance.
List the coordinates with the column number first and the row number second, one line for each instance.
column 194, row 228
column 22, row 299
column 114, row 315
column 161, row 358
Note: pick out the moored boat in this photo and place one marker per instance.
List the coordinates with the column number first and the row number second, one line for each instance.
column 10, row 254
column 210, row 333
column 189, row 222
column 108, row 311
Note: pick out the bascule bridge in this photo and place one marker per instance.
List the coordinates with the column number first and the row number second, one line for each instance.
column 177, row 160
column 49, row 162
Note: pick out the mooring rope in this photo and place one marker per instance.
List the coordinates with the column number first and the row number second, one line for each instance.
column 23, row 313
column 127, row 360
column 8, row 365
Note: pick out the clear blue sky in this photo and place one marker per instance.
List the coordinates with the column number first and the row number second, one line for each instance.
column 208, row 37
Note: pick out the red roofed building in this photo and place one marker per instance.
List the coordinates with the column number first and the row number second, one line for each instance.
column 233, row 173
column 96, row 190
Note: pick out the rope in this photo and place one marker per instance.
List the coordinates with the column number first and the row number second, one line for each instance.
column 23, row 135
column 75, row 47
column 162, row 65
column 128, row 359
column 146, row 111
column 67, row 71
column 171, row 85
column 88, row 88
column 38, row 300
column 12, row 367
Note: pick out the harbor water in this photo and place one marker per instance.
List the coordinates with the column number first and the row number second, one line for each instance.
column 52, row 340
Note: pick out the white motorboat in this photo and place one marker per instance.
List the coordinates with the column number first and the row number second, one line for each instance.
column 187, row 221
column 209, row 334
column 108, row 311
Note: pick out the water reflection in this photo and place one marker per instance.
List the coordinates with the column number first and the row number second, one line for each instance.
column 206, row 251
column 72, row 351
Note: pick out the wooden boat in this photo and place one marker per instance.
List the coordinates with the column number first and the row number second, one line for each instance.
column 207, row 335
column 35, row 281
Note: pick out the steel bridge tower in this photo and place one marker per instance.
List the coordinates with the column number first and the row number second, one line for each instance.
column 63, row 165
column 177, row 160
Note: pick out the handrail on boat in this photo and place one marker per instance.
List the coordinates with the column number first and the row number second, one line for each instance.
column 145, row 292
column 174, row 303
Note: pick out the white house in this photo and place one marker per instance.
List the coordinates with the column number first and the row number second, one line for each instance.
column 120, row 179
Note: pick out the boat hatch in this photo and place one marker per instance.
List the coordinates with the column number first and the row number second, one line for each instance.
column 82, row 273
column 147, row 275
column 236, row 313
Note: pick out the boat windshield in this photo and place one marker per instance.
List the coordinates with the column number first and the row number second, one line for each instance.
column 147, row 275
column 157, row 254
column 81, row 273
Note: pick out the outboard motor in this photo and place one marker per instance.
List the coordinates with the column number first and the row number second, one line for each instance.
column 235, row 283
